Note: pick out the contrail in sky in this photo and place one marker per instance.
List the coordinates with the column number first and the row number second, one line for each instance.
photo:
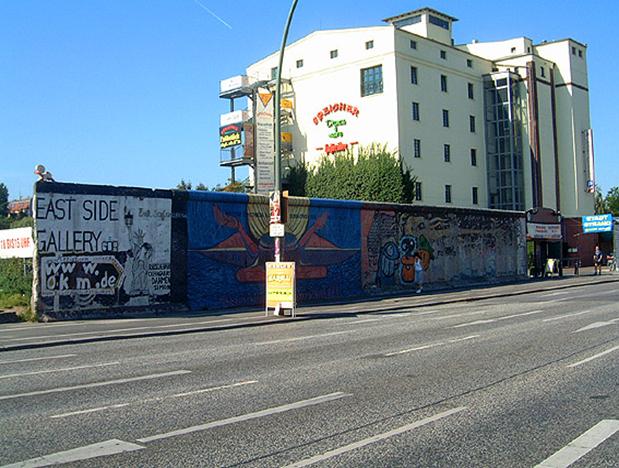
column 212, row 14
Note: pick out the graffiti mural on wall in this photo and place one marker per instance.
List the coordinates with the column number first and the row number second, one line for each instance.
column 454, row 247
column 238, row 244
column 102, row 251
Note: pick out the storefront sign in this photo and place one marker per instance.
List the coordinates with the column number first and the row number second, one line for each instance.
column 539, row 231
column 229, row 136
column 337, row 107
column 597, row 223
column 336, row 125
column 16, row 243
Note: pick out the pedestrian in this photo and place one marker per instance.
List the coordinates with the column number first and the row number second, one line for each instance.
column 418, row 272
column 597, row 261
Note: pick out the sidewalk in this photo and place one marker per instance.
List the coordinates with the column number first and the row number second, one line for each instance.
column 40, row 335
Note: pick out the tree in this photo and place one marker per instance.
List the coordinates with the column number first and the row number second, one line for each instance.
column 600, row 205
column 182, row 185
column 296, row 180
column 374, row 174
column 612, row 201
column 201, row 186
column 4, row 200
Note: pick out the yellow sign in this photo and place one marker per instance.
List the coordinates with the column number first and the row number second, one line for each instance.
column 280, row 285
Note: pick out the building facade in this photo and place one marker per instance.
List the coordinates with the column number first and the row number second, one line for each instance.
column 491, row 125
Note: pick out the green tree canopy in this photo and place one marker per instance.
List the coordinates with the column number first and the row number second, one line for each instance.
column 4, row 199
column 612, row 201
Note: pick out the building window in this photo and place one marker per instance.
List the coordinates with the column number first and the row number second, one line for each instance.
column 573, row 50
column 443, row 55
column 414, row 75
column 418, row 194
column 413, row 44
column 444, row 83
column 469, row 63
column 447, row 193
column 371, row 80
column 542, row 71
column 274, row 73
column 333, row 54
column 417, row 148
column 513, row 50
column 470, row 90
column 580, row 53
column 475, row 196
column 473, row 157
column 299, row 63
column 369, row 45
column 440, row 22
column 447, row 153
column 472, row 123
column 415, row 111
column 445, row 118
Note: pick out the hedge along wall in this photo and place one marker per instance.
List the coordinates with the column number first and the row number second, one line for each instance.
column 111, row 250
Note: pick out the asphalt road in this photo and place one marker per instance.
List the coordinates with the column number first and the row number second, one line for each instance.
column 514, row 381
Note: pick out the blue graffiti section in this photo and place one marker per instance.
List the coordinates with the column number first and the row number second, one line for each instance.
column 229, row 243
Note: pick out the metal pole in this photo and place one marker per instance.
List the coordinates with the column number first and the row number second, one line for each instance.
column 278, row 124
column 278, row 111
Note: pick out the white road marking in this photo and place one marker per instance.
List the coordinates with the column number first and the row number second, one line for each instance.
column 299, row 338
column 363, row 321
column 410, row 350
column 90, row 410
column 213, row 389
column 246, row 417
column 463, row 314
column 100, row 449
column 96, row 384
column 597, row 325
column 150, row 400
column 466, row 338
column 18, row 361
column 581, row 445
column 118, row 330
column 65, row 369
column 603, row 353
column 558, row 293
column 498, row 319
column 561, row 317
column 373, row 439
column 431, row 345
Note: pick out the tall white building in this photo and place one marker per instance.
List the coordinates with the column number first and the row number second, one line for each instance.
column 491, row 125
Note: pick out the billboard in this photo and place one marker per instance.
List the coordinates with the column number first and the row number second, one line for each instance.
column 16, row 243
column 264, row 144
column 230, row 136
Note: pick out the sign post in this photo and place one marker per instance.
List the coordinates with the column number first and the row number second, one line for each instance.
column 280, row 290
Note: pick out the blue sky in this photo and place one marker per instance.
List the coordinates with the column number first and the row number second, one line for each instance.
column 125, row 92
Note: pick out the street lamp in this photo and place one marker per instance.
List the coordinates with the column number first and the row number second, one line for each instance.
column 278, row 124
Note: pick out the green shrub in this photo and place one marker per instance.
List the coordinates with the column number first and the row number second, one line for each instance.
column 374, row 174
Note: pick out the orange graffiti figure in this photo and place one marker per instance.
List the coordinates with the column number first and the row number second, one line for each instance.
column 408, row 269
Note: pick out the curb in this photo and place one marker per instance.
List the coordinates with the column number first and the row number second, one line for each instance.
column 308, row 316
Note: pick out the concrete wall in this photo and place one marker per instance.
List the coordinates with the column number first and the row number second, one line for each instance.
column 149, row 250
column 101, row 248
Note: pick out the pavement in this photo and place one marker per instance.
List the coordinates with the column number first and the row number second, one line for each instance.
column 39, row 335
column 520, row 380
